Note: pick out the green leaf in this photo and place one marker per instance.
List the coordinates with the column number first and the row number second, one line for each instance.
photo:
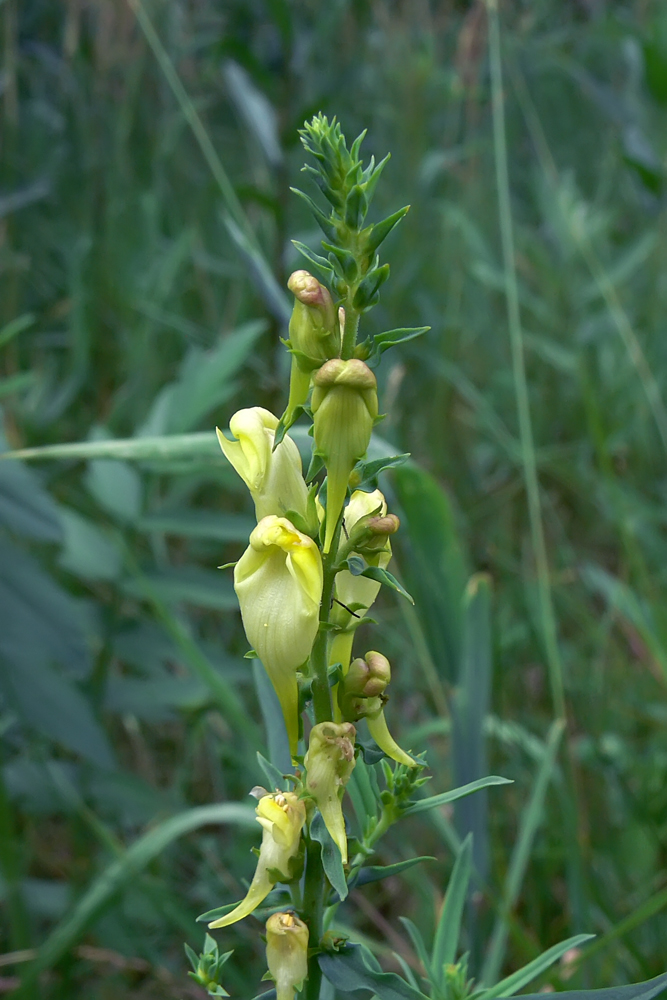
column 204, row 588
column 38, row 620
column 117, row 487
column 25, row 506
column 418, row 944
column 357, row 567
column 374, row 873
column 274, row 777
column 637, row 991
column 320, row 264
column 380, row 231
column 512, row 984
column 54, row 706
column 448, row 930
column 120, row 874
column 274, row 721
column 14, row 327
column 331, row 859
column 87, row 551
column 422, row 805
column 383, row 341
column 163, row 446
column 347, row 971
column 198, row 523
column 365, row 474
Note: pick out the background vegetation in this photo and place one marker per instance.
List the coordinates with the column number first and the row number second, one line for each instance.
column 144, row 248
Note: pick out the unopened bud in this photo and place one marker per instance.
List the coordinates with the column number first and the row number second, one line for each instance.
column 287, row 953
column 361, row 695
column 370, row 533
column 345, row 407
column 329, row 764
column 314, row 335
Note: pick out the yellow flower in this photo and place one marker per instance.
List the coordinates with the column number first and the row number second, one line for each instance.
column 281, row 815
column 278, row 581
column 274, row 478
column 287, row 953
column 345, row 407
column 329, row 764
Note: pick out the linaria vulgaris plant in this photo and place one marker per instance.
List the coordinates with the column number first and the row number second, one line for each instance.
column 314, row 565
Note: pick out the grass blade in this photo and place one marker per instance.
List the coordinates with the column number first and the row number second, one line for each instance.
column 530, row 821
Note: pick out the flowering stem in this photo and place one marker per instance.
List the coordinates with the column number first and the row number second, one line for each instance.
column 313, row 905
column 352, row 317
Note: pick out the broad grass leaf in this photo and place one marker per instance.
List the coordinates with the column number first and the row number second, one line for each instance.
column 54, row 706
column 25, row 506
column 117, row 487
column 87, row 551
column 38, row 620
column 203, row 588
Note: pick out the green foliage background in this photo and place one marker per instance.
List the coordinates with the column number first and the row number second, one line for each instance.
column 144, row 249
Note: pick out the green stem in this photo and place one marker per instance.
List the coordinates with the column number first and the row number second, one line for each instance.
column 352, row 317
column 313, row 905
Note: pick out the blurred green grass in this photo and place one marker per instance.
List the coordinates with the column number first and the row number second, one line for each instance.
column 136, row 300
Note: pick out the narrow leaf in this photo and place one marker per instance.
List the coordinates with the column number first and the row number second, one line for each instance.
column 511, row 984
column 449, row 926
column 636, row 991
column 374, row 873
column 456, row 793
column 331, row 859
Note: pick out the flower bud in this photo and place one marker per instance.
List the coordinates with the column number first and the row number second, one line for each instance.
column 287, row 953
column 361, row 690
column 329, row 764
column 281, row 816
column 314, row 335
column 345, row 407
column 361, row 696
column 278, row 581
column 274, row 478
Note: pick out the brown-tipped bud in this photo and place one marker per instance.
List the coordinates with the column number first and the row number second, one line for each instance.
column 371, row 533
column 361, row 691
column 345, row 407
column 314, row 335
